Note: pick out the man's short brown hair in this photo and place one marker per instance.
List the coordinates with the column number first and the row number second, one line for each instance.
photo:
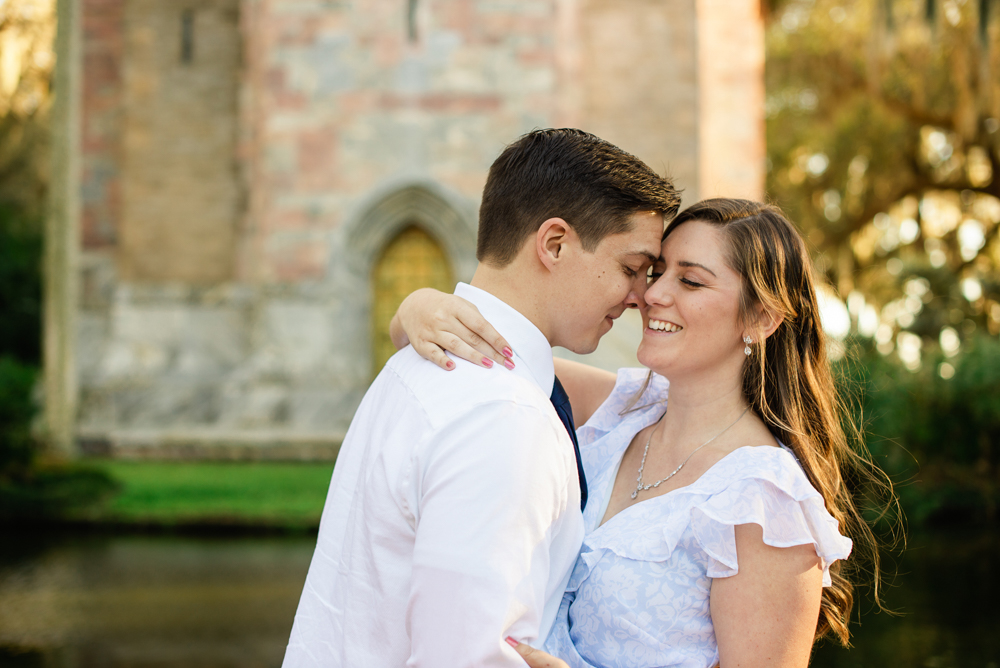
column 591, row 184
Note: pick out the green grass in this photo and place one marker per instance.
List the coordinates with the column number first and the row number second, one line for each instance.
column 284, row 495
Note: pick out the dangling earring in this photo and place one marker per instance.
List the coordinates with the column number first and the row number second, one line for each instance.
column 747, row 340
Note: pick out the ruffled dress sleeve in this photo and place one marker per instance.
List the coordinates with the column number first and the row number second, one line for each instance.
column 774, row 493
column 640, row 593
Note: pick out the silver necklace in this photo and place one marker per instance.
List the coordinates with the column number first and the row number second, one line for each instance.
column 639, row 487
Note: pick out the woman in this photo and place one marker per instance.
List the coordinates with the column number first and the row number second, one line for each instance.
column 713, row 516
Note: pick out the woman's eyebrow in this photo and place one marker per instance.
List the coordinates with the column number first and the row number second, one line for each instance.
column 685, row 263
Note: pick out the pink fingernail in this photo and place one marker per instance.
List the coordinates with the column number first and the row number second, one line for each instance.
column 508, row 364
column 507, row 352
column 511, row 642
column 450, row 365
column 487, row 362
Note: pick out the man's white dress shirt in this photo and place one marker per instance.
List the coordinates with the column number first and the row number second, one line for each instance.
column 453, row 517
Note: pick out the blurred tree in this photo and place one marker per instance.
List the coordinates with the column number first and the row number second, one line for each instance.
column 26, row 40
column 27, row 30
column 883, row 132
column 934, row 436
column 29, row 489
column 883, row 129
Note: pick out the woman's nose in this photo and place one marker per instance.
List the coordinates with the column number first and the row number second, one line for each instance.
column 658, row 293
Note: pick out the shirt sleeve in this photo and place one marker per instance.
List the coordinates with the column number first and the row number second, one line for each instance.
column 489, row 491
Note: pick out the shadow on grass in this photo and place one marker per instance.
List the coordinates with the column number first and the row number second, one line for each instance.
column 53, row 493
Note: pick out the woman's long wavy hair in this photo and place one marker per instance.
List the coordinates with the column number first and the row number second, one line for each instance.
column 788, row 382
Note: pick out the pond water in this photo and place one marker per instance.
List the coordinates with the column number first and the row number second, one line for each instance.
column 145, row 601
column 113, row 601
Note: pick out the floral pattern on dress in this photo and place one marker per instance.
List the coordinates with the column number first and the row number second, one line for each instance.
column 640, row 591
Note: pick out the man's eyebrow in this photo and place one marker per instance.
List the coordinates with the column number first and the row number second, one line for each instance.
column 685, row 263
column 649, row 256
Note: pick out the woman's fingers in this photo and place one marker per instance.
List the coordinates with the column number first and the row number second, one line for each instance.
column 487, row 340
column 434, row 322
column 535, row 658
column 454, row 344
column 434, row 353
column 450, row 334
column 475, row 341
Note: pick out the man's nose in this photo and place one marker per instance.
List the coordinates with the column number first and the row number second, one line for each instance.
column 636, row 296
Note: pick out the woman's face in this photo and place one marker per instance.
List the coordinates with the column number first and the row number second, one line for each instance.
column 691, row 315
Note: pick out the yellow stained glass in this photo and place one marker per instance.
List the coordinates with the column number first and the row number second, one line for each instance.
column 412, row 260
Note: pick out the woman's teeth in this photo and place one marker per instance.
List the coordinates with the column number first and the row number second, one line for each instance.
column 664, row 326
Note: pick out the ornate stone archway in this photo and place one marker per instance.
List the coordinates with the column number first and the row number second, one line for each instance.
column 444, row 216
column 447, row 219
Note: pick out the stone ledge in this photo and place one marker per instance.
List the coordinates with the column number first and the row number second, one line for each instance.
column 211, row 444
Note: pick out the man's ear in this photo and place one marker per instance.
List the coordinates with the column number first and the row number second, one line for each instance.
column 551, row 241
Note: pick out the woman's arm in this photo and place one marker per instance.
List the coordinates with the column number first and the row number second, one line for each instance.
column 587, row 387
column 433, row 322
column 766, row 614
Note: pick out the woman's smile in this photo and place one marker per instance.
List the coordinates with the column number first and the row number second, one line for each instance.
column 663, row 326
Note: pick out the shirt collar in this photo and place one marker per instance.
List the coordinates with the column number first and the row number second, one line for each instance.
column 532, row 352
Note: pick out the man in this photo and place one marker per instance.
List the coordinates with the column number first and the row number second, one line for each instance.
column 453, row 518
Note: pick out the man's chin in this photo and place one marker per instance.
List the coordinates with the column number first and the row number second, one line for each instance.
column 584, row 347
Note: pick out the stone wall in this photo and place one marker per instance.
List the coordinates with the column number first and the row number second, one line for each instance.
column 731, row 98
column 235, row 207
column 342, row 103
column 190, row 367
column 103, row 49
column 639, row 79
column 179, row 370
column 181, row 195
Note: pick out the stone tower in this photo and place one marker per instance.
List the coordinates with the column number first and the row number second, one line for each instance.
column 247, row 166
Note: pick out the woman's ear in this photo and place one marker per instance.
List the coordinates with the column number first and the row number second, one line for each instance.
column 765, row 323
column 550, row 241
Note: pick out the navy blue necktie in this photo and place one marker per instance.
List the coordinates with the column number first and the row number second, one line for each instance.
column 565, row 412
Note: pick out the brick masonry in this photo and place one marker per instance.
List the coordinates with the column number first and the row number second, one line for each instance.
column 234, row 206
column 102, row 111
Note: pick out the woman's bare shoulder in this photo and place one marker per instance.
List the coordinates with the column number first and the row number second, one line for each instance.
column 586, row 386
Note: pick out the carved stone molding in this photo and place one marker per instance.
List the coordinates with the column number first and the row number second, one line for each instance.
column 390, row 210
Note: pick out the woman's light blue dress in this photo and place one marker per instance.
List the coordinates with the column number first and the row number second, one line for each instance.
column 639, row 593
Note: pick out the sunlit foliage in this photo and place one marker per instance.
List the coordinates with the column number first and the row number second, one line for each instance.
column 26, row 34
column 27, row 30
column 883, row 130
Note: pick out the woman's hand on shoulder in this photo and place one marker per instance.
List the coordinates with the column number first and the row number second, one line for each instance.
column 536, row 658
column 434, row 322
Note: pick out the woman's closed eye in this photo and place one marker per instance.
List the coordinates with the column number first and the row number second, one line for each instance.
column 655, row 274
